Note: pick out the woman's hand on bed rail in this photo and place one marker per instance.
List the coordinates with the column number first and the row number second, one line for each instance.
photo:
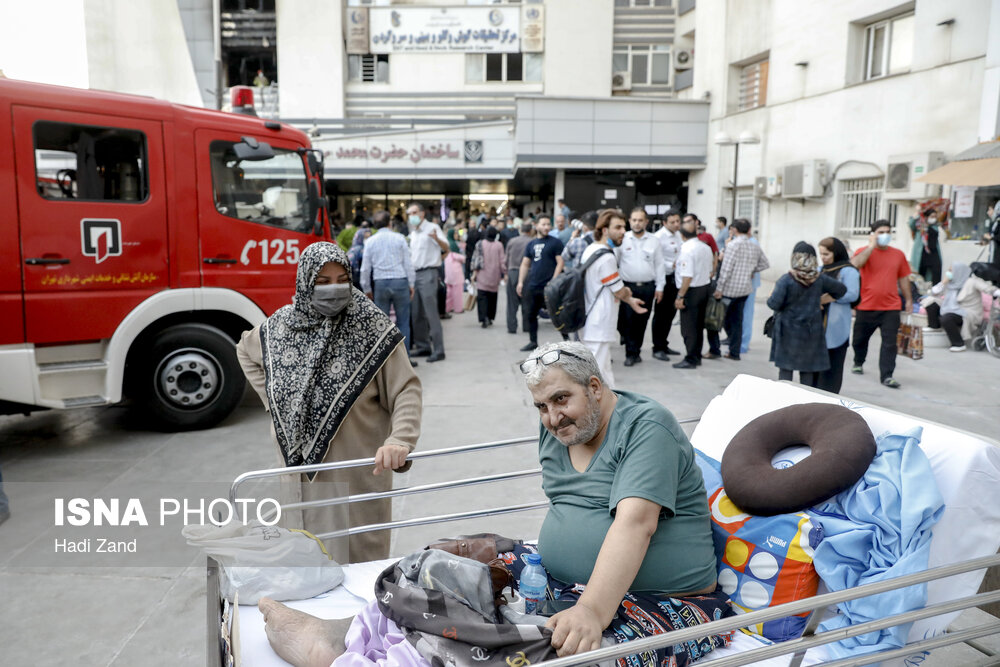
column 390, row 457
column 575, row 630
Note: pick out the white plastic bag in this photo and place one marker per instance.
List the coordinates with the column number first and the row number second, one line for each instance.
column 266, row 561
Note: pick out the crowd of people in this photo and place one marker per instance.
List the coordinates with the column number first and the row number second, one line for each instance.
column 338, row 379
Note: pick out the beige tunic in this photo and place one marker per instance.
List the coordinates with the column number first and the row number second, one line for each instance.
column 387, row 413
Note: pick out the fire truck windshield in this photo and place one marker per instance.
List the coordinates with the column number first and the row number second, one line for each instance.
column 272, row 191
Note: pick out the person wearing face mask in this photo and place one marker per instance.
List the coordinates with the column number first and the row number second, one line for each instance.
column 926, row 254
column 332, row 370
column 837, row 312
column 884, row 273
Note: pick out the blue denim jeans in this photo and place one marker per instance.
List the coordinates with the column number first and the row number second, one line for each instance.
column 395, row 292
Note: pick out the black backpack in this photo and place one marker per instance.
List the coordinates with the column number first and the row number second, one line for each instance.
column 564, row 297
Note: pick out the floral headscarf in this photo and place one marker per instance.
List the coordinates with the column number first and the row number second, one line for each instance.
column 317, row 366
column 804, row 265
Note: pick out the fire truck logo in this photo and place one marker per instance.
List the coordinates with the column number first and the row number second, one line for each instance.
column 101, row 238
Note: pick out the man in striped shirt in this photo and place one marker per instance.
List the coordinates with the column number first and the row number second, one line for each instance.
column 742, row 259
column 387, row 274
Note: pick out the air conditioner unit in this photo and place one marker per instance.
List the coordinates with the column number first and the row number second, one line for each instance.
column 902, row 172
column 800, row 180
column 621, row 81
column 683, row 59
column 766, row 187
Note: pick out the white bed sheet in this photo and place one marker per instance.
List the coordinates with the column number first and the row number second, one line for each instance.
column 966, row 467
column 357, row 590
column 343, row 601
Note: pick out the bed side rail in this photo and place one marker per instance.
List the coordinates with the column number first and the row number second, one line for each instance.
column 817, row 605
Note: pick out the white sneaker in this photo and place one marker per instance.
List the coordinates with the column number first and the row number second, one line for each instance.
column 931, row 329
column 957, row 348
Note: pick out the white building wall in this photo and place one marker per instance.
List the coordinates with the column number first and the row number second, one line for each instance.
column 27, row 49
column 140, row 48
column 311, row 65
column 819, row 111
column 129, row 47
column 578, row 44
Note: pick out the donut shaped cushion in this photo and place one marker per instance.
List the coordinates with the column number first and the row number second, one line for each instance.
column 842, row 447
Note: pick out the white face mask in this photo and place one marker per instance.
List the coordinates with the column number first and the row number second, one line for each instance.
column 414, row 220
column 331, row 300
column 883, row 239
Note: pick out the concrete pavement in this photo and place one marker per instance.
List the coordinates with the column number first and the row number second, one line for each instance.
column 156, row 615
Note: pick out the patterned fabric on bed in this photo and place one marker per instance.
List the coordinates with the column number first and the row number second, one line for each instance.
column 763, row 560
column 442, row 604
column 644, row 615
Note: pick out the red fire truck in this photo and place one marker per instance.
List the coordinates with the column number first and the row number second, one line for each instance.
column 138, row 239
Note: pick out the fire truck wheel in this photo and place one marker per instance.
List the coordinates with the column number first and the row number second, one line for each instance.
column 191, row 379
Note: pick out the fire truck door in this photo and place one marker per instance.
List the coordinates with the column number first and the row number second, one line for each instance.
column 93, row 220
column 254, row 217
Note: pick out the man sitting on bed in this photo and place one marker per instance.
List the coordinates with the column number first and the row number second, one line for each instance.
column 628, row 511
column 628, row 517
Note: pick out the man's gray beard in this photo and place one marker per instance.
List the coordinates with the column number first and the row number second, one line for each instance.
column 587, row 426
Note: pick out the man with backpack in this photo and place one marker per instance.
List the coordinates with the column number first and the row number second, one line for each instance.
column 603, row 288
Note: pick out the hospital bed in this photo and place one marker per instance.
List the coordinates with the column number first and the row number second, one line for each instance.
column 965, row 542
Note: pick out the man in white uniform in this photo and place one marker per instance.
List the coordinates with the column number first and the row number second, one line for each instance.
column 603, row 289
column 670, row 240
column 641, row 263
column 693, row 276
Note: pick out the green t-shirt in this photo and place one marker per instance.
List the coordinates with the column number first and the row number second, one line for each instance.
column 645, row 454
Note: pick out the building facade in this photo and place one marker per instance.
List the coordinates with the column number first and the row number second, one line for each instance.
column 850, row 103
column 833, row 110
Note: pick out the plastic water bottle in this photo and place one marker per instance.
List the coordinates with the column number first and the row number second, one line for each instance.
column 533, row 583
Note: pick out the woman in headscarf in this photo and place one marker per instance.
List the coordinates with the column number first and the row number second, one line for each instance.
column 489, row 267
column 452, row 241
column 956, row 304
column 925, row 256
column 837, row 312
column 798, row 342
column 332, row 371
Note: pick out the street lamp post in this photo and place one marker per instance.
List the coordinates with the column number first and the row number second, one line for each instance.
column 723, row 139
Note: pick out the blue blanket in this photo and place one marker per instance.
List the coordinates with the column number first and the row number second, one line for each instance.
column 876, row 530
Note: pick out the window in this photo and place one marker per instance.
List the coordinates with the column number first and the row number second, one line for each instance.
column 753, row 86
column 642, row 3
column 368, row 68
column 511, row 67
column 646, row 64
column 861, row 204
column 271, row 192
column 888, row 47
column 747, row 205
column 90, row 163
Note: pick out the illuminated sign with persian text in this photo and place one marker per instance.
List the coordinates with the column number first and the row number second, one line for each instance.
column 444, row 29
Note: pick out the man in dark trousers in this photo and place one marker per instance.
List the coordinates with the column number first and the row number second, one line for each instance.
column 693, row 277
column 669, row 236
column 515, row 253
column 542, row 262
column 641, row 267
column 884, row 274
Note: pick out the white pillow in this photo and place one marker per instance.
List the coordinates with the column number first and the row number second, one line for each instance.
column 966, row 467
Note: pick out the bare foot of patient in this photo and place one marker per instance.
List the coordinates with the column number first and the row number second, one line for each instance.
column 301, row 639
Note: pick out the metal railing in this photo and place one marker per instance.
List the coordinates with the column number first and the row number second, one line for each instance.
column 815, row 605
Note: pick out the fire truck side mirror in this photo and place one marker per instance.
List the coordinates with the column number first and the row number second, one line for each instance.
column 252, row 150
column 315, row 206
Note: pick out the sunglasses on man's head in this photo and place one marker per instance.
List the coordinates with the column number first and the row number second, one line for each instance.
column 550, row 357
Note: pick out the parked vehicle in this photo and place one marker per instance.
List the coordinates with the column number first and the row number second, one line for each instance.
column 138, row 239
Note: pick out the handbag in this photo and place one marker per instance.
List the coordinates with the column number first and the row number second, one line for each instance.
column 470, row 296
column 485, row 548
column 715, row 314
column 769, row 327
column 910, row 340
